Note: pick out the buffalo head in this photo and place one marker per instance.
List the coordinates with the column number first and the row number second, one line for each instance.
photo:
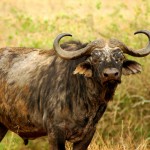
column 105, row 61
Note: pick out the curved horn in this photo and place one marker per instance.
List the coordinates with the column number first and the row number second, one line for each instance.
column 68, row 54
column 141, row 52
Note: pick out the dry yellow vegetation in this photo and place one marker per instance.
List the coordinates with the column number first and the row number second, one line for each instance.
column 35, row 23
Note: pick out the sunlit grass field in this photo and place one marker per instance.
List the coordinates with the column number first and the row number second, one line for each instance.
column 35, row 23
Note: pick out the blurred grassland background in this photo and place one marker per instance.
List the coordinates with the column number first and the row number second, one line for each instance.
column 35, row 23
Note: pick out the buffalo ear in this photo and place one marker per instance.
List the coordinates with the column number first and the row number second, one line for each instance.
column 131, row 67
column 84, row 69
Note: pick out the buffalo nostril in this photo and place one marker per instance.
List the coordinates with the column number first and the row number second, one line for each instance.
column 117, row 73
column 105, row 75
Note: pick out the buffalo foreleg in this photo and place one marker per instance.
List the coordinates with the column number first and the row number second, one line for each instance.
column 25, row 141
column 3, row 131
column 56, row 139
column 83, row 145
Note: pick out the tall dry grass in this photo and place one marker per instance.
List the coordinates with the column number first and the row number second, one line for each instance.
column 126, row 123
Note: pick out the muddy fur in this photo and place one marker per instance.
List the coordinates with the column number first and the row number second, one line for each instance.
column 42, row 94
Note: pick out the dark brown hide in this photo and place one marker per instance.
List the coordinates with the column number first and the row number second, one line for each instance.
column 42, row 94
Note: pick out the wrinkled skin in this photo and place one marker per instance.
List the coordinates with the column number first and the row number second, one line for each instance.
column 42, row 94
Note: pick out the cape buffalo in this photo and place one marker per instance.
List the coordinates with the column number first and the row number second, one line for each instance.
column 63, row 92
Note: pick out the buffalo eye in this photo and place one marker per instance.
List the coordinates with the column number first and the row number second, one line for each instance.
column 97, row 56
column 118, row 56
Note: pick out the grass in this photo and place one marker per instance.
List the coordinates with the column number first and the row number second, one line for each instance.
column 126, row 123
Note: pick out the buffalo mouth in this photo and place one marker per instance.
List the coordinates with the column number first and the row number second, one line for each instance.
column 111, row 82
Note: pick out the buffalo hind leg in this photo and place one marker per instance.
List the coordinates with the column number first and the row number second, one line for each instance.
column 83, row 145
column 3, row 131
